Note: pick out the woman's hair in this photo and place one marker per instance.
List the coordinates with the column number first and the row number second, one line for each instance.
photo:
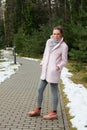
column 60, row 29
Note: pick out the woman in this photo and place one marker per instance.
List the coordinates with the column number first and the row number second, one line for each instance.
column 54, row 59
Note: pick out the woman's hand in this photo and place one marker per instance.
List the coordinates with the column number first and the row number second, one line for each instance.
column 40, row 65
column 57, row 68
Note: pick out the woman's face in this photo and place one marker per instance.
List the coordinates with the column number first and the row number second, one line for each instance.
column 57, row 34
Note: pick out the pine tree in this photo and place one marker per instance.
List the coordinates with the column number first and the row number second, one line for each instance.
column 9, row 22
column 31, row 18
column 1, row 27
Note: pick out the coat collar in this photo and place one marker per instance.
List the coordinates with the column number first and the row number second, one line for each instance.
column 56, row 46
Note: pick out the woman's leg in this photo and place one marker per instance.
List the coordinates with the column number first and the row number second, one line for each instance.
column 37, row 110
column 41, row 87
column 53, row 113
column 54, row 90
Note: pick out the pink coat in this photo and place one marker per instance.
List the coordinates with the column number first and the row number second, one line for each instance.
column 51, row 59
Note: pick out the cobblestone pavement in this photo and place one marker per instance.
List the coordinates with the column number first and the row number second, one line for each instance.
column 18, row 96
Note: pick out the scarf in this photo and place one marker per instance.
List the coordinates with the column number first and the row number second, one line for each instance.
column 55, row 42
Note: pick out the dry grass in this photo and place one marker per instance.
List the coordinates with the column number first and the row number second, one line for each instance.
column 79, row 72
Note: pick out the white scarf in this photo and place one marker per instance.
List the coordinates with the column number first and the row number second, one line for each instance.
column 55, row 42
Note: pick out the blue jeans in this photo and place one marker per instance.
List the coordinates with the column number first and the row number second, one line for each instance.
column 54, row 90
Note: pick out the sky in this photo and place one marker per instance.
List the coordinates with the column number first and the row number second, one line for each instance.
column 76, row 93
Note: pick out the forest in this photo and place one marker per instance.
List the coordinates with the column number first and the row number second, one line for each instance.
column 27, row 24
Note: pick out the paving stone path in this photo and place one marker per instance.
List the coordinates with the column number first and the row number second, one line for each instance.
column 18, row 96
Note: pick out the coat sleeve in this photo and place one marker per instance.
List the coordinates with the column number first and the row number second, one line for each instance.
column 64, row 57
column 45, row 52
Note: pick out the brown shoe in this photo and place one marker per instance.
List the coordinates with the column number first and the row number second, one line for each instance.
column 51, row 115
column 35, row 112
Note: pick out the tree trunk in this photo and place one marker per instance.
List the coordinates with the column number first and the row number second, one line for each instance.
column 9, row 28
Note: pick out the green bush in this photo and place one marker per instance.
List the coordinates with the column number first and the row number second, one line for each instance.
column 32, row 45
column 77, row 42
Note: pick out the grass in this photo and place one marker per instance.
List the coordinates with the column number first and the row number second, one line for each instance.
column 2, row 60
column 79, row 72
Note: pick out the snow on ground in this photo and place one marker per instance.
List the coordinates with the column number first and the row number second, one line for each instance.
column 7, row 68
column 31, row 59
column 76, row 93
